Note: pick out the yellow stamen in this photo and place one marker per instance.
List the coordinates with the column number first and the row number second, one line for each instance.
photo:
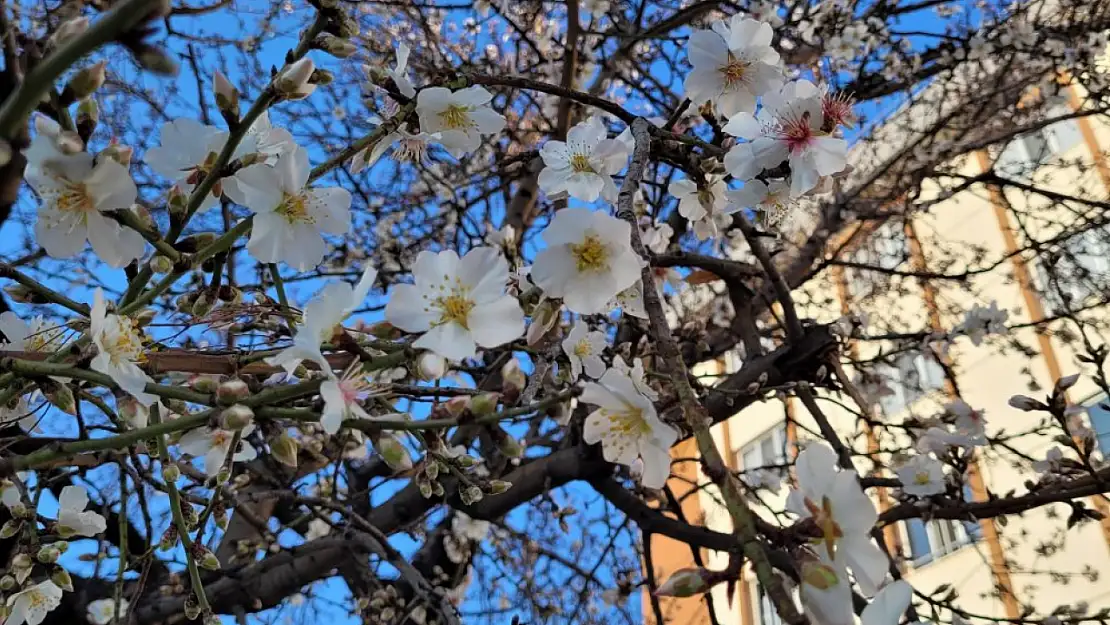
column 581, row 163
column 734, row 71
column 456, row 117
column 583, row 348
column 591, row 254
column 293, row 209
column 922, row 478
column 454, row 308
column 823, row 517
column 75, row 198
column 629, row 421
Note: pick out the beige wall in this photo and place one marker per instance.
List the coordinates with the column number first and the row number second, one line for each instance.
column 951, row 232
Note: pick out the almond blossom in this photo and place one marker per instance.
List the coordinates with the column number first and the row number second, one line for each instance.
column 841, row 511
column 343, row 399
column 922, row 476
column 588, row 260
column 73, row 519
column 789, row 127
column 290, row 218
column 322, row 315
column 213, row 444
column 76, row 189
column 102, row 611
column 400, row 72
column 460, row 117
column 458, row 304
column 583, row 165
column 733, row 64
column 119, row 346
column 187, row 153
column 583, row 348
column 37, row 336
column 707, row 209
column 31, row 605
column 628, row 428
column 771, row 198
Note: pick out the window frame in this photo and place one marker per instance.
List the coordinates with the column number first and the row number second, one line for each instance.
column 779, row 440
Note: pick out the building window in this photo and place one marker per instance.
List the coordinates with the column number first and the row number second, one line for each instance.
column 930, row 540
column 1081, row 264
column 767, row 450
column 1099, row 415
column 885, row 248
column 766, row 608
column 1027, row 152
column 912, row 376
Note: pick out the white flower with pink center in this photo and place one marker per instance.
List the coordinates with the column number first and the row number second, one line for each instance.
column 789, row 127
column 343, row 399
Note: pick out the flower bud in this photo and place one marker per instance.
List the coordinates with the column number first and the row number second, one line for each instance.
column 231, row 391
column 22, row 561
column 425, row 489
column 156, row 60
column 293, row 81
column 119, row 153
column 7, row 583
column 11, row 528
column 430, row 366
column 339, row 48
column 144, row 317
column 1025, row 403
column 513, row 380
column 161, row 264
column 284, row 449
column 169, row 538
column 203, row 304
column 68, row 30
column 475, row 494
column 86, row 81
column 192, row 608
column 1066, row 382
column 61, row 577
column 61, row 397
column 133, row 413
column 510, row 447
column 456, row 406
column 393, row 452
column 204, row 383
column 236, row 417
column 227, row 96
column 5, row 152
column 171, row 473
column 20, row 293
column 48, row 554
column 686, row 582
column 346, row 26
column 496, row 487
column 205, row 558
column 88, row 116
column 484, row 404
column 322, row 77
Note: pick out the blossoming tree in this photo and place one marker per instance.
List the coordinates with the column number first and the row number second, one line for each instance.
column 416, row 296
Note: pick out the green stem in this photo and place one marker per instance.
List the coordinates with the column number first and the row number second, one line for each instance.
column 279, row 287
column 179, row 518
column 19, row 105
column 43, row 291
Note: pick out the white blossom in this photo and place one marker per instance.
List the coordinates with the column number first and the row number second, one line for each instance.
column 343, row 399
column 733, row 64
column 213, row 444
column 76, row 189
column 657, row 238
column 73, row 519
column 583, row 348
column 460, row 117
column 922, row 476
column 33, row 604
column 771, row 198
column 628, row 427
column 102, row 611
column 290, row 218
column 707, row 209
column 842, row 512
column 321, row 317
column 119, row 346
column 317, row 528
column 789, row 128
column 587, row 261
column 458, row 304
column 187, row 152
column 583, row 165
column 400, row 72
column 983, row 320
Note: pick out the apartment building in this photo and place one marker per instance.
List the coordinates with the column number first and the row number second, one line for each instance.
column 996, row 569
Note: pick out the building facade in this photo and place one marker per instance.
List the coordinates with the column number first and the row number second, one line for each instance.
column 998, row 570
